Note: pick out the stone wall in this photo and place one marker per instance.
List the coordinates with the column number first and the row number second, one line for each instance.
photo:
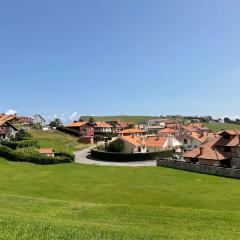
column 212, row 170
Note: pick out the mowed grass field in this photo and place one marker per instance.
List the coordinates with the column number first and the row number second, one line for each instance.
column 74, row 201
column 57, row 140
column 216, row 127
column 124, row 118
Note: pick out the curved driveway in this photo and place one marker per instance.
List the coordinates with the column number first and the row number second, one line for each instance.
column 84, row 157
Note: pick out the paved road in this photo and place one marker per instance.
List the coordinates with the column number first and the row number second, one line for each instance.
column 84, row 157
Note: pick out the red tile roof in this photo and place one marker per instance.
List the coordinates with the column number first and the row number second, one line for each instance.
column 167, row 130
column 208, row 151
column 134, row 141
column 156, row 141
column 131, row 130
column 103, row 125
column 46, row 150
column 76, row 124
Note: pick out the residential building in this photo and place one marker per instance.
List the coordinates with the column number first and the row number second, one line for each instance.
column 102, row 127
column 132, row 144
column 134, row 132
column 223, row 151
column 48, row 152
column 7, row 130
column 25, row 120
column 39, row 120
column 156, row 144
column 117, row 125
column 85, row 128
column 167, row 132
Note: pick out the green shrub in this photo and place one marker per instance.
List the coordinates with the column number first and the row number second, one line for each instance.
column 21, row 156
column 115, row 146
column 127, row 157
column 22, row 135
column 27, row 143
column 98, row 138
column 65, row 155
column 12, row 145
column 69, row 131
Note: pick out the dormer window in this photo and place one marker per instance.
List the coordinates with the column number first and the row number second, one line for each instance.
column 227, row 149
column 226, row 136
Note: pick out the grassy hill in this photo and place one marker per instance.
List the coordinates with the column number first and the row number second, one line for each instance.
column 216, row 127
column 73, row 201
column 57, row 140
column 124, row 118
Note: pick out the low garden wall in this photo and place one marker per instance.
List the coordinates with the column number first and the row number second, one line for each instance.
column 128, row 157
column 211, row 170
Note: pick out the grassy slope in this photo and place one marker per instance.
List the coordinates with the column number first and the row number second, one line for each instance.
column 57, row 140
column 124, row 118
column 216, row 127
column 72, row 201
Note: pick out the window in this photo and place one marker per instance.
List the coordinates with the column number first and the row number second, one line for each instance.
column 226, row 136
column 227, row 149
column 185, row 141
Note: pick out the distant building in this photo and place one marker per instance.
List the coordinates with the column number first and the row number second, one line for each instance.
column 7, row 130
column 222, row 151
column 133, row 132
column 48, row 152
column 85, row 128
column 102, row 127
column 38, row 119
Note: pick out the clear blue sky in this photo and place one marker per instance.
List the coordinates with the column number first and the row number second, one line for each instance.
column 108, row 57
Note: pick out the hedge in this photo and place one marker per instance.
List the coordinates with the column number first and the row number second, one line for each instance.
column 128, row 157
column 12, row 155
column 20, row 144
column 69, row 131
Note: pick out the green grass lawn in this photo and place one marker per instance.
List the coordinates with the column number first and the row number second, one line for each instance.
column 73, row 201
column 57, row 140
column 124, row 118
column 216, row 127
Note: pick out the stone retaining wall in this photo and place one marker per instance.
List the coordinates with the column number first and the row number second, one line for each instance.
column 211, row 170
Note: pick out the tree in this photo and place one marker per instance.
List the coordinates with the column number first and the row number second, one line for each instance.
column 55, row 123
column 115, row 146
column 91, row 120
column 227, row 120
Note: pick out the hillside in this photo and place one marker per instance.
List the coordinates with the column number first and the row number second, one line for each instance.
column 73, row 201
column 57, row 140
column 124, row 118
column 216, row 127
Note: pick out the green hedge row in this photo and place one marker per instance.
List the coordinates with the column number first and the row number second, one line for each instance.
column 15, row 156
column 69, row 131
column 128, row 157
column 20, row 144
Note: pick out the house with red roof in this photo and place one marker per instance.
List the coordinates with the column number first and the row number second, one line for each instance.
column 102, row 127
column 7, row 130
column 48, row 152
column 222, row 151
column 85, row 128
column 134, row 132
column 167, row 132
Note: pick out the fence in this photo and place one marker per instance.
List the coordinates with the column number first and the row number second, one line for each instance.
column 211, row 170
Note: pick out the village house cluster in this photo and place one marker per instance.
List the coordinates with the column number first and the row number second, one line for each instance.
column 150, row 136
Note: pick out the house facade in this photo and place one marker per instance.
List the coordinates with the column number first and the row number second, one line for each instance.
column 85, row 128
column 133, row 132
column 223, row 151
column 102, row 127
column 38, row 119
column 7, row 130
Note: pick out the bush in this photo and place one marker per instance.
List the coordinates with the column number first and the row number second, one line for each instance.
column 69, row 131
column 98, row 138
column 12, row 145
column 115, row 146
column 22, row 135
column 25, row 156
column 65, row 155
column 27, row 143
column 127, row 157
column 20, row 144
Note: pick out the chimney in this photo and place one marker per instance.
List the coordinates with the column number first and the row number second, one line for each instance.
column 201, row 150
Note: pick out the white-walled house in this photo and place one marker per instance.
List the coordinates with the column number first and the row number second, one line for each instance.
column 102, row 127
column 38, row 119
column 7, row 130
